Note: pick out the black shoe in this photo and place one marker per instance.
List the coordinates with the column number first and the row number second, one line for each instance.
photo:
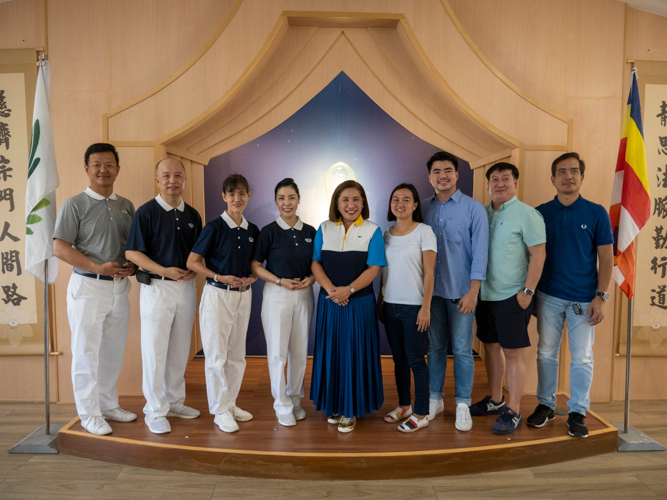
column 487, row 407
column 575, row 421
column 540, row 416
column 507, row 422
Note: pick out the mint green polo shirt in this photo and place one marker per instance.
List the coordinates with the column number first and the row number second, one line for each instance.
column 513, row 228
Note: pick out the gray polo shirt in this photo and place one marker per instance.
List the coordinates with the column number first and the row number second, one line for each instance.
column 96, row 226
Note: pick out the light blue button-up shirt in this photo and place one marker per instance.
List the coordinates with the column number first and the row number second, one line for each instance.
column 461, row 227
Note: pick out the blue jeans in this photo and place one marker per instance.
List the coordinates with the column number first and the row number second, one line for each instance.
column 449, row 325
column 551, row 315
column 400, row 323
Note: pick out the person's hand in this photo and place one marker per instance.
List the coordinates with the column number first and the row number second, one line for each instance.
column 304, row 283
column 127, row 269
column 108, row 269
column 189, row 275
column 248, row 281
column 176, row 274
column 468, row 303
column 424, row 319
column 230, row 280
column 340, row 295
column 290, row 284
column 523, row 299
column 596, row 311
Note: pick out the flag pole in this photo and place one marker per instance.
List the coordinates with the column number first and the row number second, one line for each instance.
column 47, row 398
column 45, row 438
column 632, row 439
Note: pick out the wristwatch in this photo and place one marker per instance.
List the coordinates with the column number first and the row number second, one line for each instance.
column 529, row 292
column 352, row 290
column 215, row 278
column 278, row 281
column 603, row 295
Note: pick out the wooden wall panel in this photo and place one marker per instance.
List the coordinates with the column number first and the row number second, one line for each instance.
column 23, row 25
column 646, row 36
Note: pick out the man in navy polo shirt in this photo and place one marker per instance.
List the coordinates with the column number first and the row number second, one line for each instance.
column 578, row 236
column 162, row 234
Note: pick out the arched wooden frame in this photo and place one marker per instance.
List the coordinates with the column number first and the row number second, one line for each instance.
column 268, row 66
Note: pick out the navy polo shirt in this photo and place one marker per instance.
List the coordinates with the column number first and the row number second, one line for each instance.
column 288, row 251
column 164, row 233
column 574, row 234
column 227, row 247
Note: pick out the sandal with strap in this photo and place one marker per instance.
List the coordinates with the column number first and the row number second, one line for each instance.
column 397, row 415
column 413, row 424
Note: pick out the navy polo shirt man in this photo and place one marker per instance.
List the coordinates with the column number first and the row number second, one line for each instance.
column 223, row 254
column 571, row 288
column 162, row 234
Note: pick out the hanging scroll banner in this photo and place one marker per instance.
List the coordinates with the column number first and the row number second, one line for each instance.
column 649, row 329
column 20, row 332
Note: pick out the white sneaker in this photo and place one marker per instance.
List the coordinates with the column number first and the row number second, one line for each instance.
column 158, row 426
column 299, row 413
column 119, row 415
column 226, row 422
column 239, row 414
column 184, row 412
column 435, row 406
column 463, row 419
column 286, row 419
column 96, row 425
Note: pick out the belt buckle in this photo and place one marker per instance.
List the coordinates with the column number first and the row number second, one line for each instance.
column 244, row 288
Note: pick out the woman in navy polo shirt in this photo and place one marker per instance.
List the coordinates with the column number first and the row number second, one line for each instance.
column 347, row 256
column 287, row 305
column 226, row 244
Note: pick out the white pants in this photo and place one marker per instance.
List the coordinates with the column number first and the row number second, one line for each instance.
column 223, row 321
column 98, row 313
column 286, row 317
column 167, row 313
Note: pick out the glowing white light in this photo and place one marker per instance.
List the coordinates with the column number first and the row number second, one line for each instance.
column 337, row 174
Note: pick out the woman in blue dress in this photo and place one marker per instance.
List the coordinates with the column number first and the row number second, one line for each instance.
column 348, row 254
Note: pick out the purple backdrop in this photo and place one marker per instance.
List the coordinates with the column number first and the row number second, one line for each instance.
column 340, row 124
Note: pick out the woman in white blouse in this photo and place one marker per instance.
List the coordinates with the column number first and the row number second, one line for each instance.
column 405, row 302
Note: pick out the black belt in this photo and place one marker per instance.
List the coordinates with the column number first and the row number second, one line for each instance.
column 96, row 276
column 158, row 277
column 225, row 286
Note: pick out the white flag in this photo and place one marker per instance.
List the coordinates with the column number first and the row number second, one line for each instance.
column 40, row 198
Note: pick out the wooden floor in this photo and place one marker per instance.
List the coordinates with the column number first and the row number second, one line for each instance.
column 316, row 450
column 613, row 475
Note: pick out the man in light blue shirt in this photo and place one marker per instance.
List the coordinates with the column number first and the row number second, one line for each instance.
column 462, row 231
column 517, row 239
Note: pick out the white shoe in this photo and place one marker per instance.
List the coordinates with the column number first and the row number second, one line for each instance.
column 119, row 415
column 463, row 419
column 239, row 414
column 158, row 426
column 299, row 413
column 413, row 424
column 286, row 419
column 96, row 425
column 435, row 406
column 226, row 422
column 184, row 412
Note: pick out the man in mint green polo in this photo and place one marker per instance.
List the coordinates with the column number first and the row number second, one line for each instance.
column 517, row 238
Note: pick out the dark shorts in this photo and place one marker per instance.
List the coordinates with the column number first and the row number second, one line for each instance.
column 503, row 322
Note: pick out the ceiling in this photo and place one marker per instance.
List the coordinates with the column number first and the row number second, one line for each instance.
column 653, row 6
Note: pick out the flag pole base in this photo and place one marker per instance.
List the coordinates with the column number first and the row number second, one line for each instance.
column 635, row 440
column 38, row 442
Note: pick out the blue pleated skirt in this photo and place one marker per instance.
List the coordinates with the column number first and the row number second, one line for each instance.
column 347, row 373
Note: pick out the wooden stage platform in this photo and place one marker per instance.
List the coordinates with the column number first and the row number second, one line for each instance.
column 315, row 450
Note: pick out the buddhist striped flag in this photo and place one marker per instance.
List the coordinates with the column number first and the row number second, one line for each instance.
column 630, row 199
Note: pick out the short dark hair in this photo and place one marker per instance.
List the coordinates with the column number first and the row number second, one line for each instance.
column 169, row 158
column 234, row 182
column 443, row 156
column 501, row 167
column 101, row 147
column 567, row 156
column 334, row 213
column 287, row 182
column 417, row 214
